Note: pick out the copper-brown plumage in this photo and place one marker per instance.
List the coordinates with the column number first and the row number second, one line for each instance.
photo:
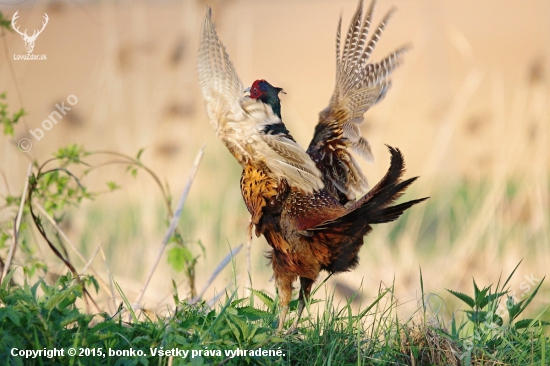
column 305, row 203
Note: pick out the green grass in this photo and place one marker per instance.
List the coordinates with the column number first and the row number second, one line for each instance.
column 39, row 316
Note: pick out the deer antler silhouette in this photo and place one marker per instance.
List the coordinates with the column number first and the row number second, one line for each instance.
column 29, row 40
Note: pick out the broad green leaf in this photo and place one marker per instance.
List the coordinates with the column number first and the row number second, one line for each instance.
column 467, row 299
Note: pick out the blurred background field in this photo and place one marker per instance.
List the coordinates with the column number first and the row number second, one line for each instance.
column 469, row 109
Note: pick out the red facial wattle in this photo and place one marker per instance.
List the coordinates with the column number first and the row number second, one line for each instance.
column 256, row 90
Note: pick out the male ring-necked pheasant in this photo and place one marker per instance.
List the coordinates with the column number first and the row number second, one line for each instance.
column 304, row 203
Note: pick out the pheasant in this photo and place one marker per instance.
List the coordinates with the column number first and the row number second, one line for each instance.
column 304, row 202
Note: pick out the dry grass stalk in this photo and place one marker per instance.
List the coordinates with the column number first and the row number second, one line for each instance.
column 216, row 272
column 425, row 345
column 77, row 251
column 18, row 219
column 111, row 284
column 173, row 225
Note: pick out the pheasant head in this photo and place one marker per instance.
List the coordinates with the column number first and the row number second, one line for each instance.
column 268, row 94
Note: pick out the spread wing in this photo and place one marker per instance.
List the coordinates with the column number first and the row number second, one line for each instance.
column 249, row 128
column 359, row 85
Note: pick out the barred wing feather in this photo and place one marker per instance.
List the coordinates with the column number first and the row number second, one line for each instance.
column 240, row 121
column 359, row 85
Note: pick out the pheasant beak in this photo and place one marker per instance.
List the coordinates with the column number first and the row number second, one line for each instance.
column 247, row 90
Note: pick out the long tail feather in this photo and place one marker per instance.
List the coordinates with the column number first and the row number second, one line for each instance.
column 392, row 213
column 375, row 207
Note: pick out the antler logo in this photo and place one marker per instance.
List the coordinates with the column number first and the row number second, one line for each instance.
column 29, row 40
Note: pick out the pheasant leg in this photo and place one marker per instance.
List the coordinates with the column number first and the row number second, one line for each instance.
column 284, row 286
column 305, row 291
